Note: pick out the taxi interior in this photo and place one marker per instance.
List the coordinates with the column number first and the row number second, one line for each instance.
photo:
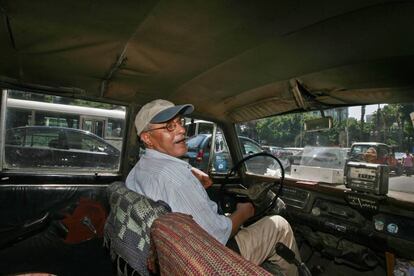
column 236, row 62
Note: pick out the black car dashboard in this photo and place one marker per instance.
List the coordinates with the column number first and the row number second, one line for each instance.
column 371, row 221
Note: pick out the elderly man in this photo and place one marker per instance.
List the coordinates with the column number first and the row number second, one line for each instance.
column 161, row 175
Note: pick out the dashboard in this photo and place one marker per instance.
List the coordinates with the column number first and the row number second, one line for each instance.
column 331, row 217
column 363, row 218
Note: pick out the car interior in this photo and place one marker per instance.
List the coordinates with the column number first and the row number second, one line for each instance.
column 306, row 78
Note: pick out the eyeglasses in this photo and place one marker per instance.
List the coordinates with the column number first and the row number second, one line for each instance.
column 170, row 126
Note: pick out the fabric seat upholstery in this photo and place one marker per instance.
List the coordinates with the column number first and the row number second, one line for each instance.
column 127, row 229
column 140, row 231
column 182, row 247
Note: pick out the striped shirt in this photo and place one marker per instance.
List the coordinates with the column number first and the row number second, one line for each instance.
column 162, row 177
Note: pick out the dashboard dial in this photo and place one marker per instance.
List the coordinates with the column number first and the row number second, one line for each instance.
column 316, row 211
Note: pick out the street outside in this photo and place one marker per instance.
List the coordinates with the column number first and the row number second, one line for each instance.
column 401, row 183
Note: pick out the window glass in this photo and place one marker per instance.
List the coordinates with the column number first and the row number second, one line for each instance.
column 45, row 132
column 81, row 141
column 195, row 127
column 364, row 134
column 87, row 125
column 15, row 137
column 92, row 144
column 115, row 128
column 199, row 147
column 205, row 128
column 40, row 137
column 195, row 141
column 222, row 161
column 249, row 147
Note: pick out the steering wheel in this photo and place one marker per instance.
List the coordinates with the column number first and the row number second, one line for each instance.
column 260, row 194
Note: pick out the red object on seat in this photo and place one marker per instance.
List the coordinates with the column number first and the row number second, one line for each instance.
column 86, row 222
column 182, row 247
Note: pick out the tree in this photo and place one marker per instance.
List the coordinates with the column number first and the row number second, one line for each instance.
column 362, row 121
column 285, row 131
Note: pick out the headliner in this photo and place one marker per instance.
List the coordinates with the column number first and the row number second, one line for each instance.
column 234, row 60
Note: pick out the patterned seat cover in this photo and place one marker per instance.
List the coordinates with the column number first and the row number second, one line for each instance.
column 182, row 247
column 127, row 229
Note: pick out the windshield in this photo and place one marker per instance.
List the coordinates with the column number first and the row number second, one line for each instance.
column 367, row 133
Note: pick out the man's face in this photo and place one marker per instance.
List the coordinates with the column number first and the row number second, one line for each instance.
column 165, row 141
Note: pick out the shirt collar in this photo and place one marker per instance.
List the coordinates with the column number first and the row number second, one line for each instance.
column 151, row 153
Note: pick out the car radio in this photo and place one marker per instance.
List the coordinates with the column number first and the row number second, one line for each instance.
column 367, row 177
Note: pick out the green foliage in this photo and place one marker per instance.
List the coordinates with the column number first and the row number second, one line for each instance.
column 282, row 130
column 390, row 124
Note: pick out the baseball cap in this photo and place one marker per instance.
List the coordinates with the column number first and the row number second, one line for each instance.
column 159, row 111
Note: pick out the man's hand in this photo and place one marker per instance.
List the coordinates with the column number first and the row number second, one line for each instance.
column 246, row 208
column 243, row 212
column 202, row 177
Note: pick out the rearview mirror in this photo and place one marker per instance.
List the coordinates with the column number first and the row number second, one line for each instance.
column 323, row 123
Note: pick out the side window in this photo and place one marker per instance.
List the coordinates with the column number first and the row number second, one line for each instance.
column 195, row 141
column 250, row 147
column 200, row 154
column 81, row 141
column 205, row 128
column 39, row 137
column 74, row 141
column 195, row 127
column 15, row 137
column 114, row 128
column 222, row 160
column 46, row 132
column 88, row 143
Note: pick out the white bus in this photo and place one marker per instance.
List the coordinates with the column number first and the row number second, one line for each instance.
column 106, row 123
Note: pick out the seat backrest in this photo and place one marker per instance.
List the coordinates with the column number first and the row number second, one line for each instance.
column 182, row 247
column 139, row 232
column 127, row 229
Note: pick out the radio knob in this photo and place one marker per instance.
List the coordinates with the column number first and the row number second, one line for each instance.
column 316, row 211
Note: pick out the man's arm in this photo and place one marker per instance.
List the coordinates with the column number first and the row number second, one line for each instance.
column 243, row 212
column 202, row 177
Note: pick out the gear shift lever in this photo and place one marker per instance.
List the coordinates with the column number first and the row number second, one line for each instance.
column 289, row 256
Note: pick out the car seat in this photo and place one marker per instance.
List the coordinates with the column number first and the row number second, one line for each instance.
column 142, row 233
column 182, row 247
column 127, row 228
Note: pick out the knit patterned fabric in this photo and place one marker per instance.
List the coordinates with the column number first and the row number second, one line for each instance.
column 127, row 228
column 182, row 247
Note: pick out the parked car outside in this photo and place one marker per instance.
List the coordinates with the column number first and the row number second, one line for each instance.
column 199, row 152
column 43, row 146
column 271, row 149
